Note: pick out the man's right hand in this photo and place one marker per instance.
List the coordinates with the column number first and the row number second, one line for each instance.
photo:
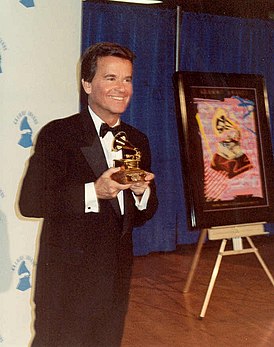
column 106, row 187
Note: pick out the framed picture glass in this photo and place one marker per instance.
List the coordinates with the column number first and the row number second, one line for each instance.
column 226, row 152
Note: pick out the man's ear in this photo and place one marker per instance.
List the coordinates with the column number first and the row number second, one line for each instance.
column 86, row 85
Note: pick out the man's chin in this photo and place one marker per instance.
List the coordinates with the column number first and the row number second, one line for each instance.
column 118, row 110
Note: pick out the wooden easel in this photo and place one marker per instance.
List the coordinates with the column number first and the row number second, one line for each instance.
column 224, row 233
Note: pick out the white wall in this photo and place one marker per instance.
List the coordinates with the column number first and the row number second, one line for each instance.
column 39, row 49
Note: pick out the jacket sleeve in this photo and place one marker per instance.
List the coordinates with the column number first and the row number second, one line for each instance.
column 144, row 215
column 47, row 190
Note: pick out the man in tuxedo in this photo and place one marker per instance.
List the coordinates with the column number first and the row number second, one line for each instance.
column 85, row 256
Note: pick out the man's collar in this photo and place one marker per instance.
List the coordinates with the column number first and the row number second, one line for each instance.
column 97, row 120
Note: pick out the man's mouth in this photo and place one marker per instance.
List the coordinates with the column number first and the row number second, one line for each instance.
column 118, row 98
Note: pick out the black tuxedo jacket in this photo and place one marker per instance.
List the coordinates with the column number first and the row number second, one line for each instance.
column 81, row 254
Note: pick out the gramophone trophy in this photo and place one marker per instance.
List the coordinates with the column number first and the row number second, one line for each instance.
column 129, row 164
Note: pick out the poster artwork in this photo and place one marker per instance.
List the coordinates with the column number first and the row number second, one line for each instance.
column 230, row 149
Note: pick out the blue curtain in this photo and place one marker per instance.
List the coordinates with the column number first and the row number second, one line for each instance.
column 226, row 44
column 208, row 43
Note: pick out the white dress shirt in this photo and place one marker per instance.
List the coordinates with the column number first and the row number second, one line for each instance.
column 91, row 201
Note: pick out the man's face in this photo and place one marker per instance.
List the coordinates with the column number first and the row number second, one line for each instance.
column 110, row 91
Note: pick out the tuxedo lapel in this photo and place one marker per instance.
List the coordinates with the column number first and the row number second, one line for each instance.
column 94, row 152
column 95, row 157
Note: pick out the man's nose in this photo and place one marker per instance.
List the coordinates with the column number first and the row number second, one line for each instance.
column 120, row 85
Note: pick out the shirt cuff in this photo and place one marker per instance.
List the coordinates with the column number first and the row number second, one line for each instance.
column 91, row 201
column 142, row 204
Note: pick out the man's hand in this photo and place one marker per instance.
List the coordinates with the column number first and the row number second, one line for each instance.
column 139, row 187
column 106, row 187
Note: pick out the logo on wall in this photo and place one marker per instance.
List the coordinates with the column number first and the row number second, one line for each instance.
column 26, row 121
column 27, row 3
column 2, row 194
column 3, row 48
column 23, row 267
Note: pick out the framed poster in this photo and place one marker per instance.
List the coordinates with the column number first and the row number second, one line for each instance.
column 226, row 152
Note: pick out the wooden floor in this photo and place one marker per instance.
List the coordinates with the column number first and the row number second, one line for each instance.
column 240, row 312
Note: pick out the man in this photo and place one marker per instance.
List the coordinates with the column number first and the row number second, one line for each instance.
column 85, row 256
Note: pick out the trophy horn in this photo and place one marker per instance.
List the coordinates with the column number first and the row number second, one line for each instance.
column 120, row 142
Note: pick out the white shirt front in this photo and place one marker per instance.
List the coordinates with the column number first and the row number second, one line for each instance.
column 91, row 201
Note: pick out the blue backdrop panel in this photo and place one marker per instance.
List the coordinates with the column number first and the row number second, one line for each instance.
column 233, row 45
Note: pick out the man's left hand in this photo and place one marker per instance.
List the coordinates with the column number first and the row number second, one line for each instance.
column 139, row 187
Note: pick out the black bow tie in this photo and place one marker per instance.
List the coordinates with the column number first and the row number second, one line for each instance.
column 105, row 128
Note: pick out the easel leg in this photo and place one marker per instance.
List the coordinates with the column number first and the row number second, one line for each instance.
column 260, row 259
column 195, row 260
column 213, row 278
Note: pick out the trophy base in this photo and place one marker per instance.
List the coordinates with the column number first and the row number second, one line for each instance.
column 125, row 176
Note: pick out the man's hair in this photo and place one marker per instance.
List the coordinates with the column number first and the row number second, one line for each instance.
column 102, row 49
